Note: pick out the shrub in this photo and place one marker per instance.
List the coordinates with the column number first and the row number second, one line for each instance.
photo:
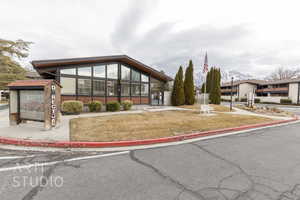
column 256, row 100
column 95, row 106
column 243, row 99
column 72, row 107
column 267, row 102
column 285, row 101
column 113, row 106
column 226, row 100
column 127, row 104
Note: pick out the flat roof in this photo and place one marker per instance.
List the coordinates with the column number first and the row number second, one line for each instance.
column 262, row 82
column 42, row 65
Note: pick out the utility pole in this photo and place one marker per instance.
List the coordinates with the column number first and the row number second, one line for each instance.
column 231, row 92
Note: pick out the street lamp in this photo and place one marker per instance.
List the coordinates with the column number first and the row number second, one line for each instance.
column 231, row 93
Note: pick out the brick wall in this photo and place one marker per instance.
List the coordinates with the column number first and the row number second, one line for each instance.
column 66, row 98
column 108, row 99
column 136, row 100
column 144, row 100
column 102, row 99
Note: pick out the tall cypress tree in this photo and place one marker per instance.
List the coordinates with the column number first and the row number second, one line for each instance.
column 180, row 91
column 189, row 85
column 174, row 91
column 215, row 90
column 218, row 87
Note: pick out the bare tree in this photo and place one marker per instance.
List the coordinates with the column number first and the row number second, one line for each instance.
column 282, row 73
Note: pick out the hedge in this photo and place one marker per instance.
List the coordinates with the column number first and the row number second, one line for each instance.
column 243, row 99
column 72, row 107
column 286, row 101
column 95, row 106
column 127, row 104
column 113, row 106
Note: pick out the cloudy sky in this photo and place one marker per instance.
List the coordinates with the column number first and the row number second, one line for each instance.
column 251, row 36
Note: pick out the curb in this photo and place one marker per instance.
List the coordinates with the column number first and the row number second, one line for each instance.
column 68, row 144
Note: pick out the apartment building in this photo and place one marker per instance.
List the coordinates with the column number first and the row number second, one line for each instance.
column 266, row 91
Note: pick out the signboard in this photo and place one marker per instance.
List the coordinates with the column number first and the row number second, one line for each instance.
column 32, row 104
column 53, row 106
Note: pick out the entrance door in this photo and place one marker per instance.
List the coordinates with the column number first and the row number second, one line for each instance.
column 156, row 98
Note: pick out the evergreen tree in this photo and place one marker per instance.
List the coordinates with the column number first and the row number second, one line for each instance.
column 215, row 90
column 202, row 88
column 180, row 91
column 189, row 85
column 174, row 91
column 10, row 70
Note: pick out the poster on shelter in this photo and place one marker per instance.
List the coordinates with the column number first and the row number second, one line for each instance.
column 32, row 104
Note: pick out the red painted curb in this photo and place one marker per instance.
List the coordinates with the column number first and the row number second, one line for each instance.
column 68, row 144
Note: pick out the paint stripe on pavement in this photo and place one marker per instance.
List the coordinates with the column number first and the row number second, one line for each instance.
column 19, row 167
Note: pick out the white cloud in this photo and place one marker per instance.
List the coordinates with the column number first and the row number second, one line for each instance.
column 250, row 36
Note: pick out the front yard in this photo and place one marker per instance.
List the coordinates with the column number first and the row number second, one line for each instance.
column 149, row 125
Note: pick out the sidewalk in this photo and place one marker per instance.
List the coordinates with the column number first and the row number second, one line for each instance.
column 238, row 111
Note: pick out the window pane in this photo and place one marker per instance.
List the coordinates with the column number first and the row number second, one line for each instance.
column 84, row 71
column 125, row 89
column 112, row 88
column 99, row 87
column 112, row 71
column 145, row 78
column 71, row 71
column 144, row 89
column 84, row 86
column 99, row 71
column 135, row 76
column 135, row 89
column 125, row 73
column 68, row 85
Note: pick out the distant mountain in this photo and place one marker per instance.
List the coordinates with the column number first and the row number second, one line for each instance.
column 226, row 76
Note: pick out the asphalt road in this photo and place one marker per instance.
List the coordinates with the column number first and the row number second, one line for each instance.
column 262, row 164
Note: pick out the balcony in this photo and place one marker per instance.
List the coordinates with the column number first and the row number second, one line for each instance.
column 228, row 90
column 273, row 90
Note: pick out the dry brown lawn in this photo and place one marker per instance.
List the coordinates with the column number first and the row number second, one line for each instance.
column 217, row 108
column 150, row 125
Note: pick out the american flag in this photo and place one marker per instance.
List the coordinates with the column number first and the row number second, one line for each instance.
column 205, row 66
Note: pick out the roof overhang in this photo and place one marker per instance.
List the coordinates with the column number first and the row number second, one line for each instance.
column 44, row 66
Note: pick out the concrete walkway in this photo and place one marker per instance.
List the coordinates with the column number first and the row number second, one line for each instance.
column 238, row 111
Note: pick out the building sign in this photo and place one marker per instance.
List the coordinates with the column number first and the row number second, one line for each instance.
column 53, row 106
column 32, row 104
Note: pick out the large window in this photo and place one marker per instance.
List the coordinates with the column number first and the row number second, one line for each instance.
column 144, row 89
column 135, row 89
column 99, row 71
column 145, row 78
column 112, row 88
column 135, row 76
column 71, row 71
column 125, row 73
column 125, row 89
column 84, row 71
column 84, row 86
column 68, row 85
column 112, row 71
column 99, row 87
